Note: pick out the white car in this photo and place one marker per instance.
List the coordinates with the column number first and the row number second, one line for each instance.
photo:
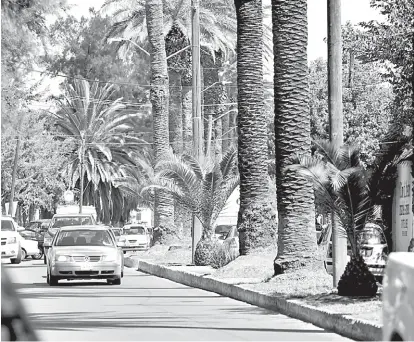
column 398, row 298
column 11, row 240
column 137, row 236
column 30, row 248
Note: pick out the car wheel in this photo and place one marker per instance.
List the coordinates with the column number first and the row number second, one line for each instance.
column 24, row 254
column 17, row 260
column 53, row 281
column 37, row 256
column 116, row 281
column 47, row 278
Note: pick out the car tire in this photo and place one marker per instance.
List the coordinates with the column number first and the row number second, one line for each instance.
column 116, row 281
column 24, row 254
column 48, row 278
column 18, row 259
column 122, row 274
column 53, row 281
column 37, row 256
column 44, row 259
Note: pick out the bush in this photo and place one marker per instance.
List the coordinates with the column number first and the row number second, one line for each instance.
column 357, row 279
column 223, row 255
column 205, row 251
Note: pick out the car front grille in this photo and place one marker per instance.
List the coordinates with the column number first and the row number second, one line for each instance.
column 3, row 241
column 132, row 241
column 87, row 273
column 92, row 258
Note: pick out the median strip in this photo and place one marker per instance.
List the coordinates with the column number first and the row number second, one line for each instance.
column 346, row 326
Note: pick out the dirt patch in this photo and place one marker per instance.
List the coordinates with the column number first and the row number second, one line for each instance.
column 258, row 264
column 160, row 254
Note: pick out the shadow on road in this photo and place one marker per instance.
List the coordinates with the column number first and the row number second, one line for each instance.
column 56, row 321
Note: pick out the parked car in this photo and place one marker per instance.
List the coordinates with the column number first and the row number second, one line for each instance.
column 398, row 298
column 29, row 245
column 137, row 236
column 121, row 240
column 84, row 252
column 373, row 248
column 232, row 240
column 64, row 220
column 221, row 231
column 10, row 240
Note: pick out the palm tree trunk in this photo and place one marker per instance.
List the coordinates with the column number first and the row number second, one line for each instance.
column 186, row 104
column 164, row 204
column 175, row 113
column 297, row 246
column 256, row 220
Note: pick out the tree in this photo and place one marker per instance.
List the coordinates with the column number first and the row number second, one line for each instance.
column 202, row 188
column 252, row 124
column 99, row 129
column 297, row 246
column 164, row 203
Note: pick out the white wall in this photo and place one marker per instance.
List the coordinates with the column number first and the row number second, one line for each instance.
column 228, row 216
column 403, row 223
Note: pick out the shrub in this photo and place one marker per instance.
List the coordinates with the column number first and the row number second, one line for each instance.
column 357, row 279
column 205, row 251
column 223, row 255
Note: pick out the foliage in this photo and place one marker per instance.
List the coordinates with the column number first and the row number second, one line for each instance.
column 100, row 130
column 223, row 255
column 39, row 178
column 342, row 185
column 357, row 280
column 391, row 42
column 367, row 105
column 203, row 188
column 206, row 252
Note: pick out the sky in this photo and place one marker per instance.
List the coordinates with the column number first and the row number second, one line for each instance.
column 352, row 10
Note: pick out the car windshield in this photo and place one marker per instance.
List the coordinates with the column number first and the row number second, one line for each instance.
column 371, row 237
column 135, row 231
column 59, row 222
column 84, row 238
column 7, row 226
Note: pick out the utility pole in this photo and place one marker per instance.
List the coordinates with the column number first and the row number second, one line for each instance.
column 339, row 240
column 14, row 174
column 81, row 162
column 197, row 128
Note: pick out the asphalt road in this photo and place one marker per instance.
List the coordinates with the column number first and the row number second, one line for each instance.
column 148, row 308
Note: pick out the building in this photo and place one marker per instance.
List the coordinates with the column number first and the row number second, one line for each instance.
column 402, row 211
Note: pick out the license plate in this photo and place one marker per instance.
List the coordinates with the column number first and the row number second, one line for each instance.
column 85, row 266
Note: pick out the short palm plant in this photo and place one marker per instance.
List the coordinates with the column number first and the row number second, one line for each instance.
column 203, row 188
column 343, row 186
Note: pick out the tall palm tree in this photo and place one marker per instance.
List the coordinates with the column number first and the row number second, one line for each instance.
column 101, row 131
column 252, row 138
column 164, row 202
column 297, row 246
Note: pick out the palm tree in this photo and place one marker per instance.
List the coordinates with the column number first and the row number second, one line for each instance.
column 252, row 138
column 164, row 203
column 342, row 185
column 101, row 132
column 297, row 246
column 202, row 188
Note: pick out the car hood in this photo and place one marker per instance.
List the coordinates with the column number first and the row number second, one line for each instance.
column 6, row 234
column 81, row 250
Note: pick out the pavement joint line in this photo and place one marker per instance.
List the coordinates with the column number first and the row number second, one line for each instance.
column 344, row 325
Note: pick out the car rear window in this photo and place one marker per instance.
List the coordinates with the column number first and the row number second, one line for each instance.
column 59, row 222
column 7, row 226
column 135, row 231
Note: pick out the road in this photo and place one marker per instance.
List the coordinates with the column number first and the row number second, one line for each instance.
column 148, row 308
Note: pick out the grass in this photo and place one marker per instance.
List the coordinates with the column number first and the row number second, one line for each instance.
column 307, row 287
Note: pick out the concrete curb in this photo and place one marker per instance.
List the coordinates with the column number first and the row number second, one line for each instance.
column 131, row 263
column 348, row 327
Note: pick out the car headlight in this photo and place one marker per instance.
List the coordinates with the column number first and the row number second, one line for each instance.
column 110, row 257
column 62, row 258
column 11, row 240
